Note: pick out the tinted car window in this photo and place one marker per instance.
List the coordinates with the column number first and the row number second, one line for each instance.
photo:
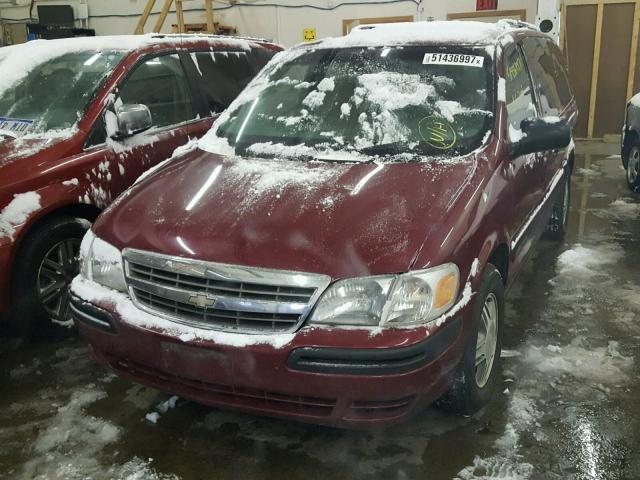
column 520, row 105
column 549, row 76
column 160, row 83
column 56, row 92
column 224, row 75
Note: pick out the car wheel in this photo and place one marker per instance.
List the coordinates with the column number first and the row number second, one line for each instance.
column 45, row 266
column 633, row 167
column 557, row 226
column 477, row 374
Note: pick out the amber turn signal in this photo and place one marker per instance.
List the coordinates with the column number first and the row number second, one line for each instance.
column 445, row 291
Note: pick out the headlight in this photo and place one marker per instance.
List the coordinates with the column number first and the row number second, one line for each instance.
column 101, row 262
column 410, row 299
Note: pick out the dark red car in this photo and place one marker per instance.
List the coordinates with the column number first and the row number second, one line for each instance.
column 80, row 121
column 338, row 246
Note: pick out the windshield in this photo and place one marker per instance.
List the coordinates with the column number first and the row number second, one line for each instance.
column 409, row 101
column 55, row 93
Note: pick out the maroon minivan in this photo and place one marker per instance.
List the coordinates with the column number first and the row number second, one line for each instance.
column 336, row 249
column 80, row 121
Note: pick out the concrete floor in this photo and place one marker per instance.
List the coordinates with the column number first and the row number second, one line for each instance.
column 568, row 408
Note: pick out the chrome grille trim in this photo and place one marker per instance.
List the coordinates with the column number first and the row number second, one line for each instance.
column 244, row 299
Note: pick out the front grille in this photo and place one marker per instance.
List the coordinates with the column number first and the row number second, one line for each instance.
column 220, row 296
column 276, row 293
column 212, row 317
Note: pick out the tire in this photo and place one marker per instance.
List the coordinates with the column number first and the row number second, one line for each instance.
column 557, row 226
column 474, row 383
column 632, row 165
column 45, row 264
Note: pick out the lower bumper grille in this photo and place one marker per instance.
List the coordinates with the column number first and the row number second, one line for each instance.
column 225, row 394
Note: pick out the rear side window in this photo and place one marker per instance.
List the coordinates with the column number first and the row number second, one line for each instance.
column 224, row 74
column 519, row 98
column 549, row 74
column 160, row 83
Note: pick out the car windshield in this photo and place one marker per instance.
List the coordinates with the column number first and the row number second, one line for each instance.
column 411, row 101
column 55, row 94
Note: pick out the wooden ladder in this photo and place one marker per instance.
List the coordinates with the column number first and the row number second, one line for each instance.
column 166, row 6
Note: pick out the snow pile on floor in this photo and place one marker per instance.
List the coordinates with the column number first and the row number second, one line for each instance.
column 581, row 261
column 138, row 469
column 522, row 416
column 71, row 430
column 17, row 212
column 623, row 209
column 596, row 364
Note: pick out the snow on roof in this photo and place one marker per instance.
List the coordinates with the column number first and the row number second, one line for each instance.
column 18, row 60
column 451, row 31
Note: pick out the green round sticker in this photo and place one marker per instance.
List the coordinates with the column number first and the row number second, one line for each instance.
column 437, row 132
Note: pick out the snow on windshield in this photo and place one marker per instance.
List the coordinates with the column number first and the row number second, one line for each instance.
column 353, row 103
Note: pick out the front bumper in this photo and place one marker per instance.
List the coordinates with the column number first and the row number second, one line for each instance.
column 337, row 377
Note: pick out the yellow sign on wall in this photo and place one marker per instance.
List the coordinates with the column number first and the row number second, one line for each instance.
column 308, row 34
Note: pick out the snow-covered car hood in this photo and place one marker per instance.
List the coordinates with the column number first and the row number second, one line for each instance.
column 341, row 219
column 12, row 149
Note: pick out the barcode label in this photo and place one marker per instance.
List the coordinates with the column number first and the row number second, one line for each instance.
column 453, row 59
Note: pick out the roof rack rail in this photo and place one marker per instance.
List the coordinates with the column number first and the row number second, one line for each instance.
column 207, row 35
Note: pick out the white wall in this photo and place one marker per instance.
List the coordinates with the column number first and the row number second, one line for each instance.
column 284, row 25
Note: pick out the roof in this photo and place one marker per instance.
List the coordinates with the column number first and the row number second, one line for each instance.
column 19, row 60
column 129, row 42
column 460, row 32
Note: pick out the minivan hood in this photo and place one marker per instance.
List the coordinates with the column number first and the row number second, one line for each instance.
column 340, row 219
column 15, row 148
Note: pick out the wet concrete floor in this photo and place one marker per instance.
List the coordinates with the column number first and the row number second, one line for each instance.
column 568, row 407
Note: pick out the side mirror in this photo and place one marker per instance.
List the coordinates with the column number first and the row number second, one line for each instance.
column 541, row 134
column 132, row 119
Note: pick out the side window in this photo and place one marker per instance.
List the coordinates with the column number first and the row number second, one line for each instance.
column 160, row 83
column 548, row 74
column 519, row 98
column 561, row 74
column 98, row 135
column 224, row 75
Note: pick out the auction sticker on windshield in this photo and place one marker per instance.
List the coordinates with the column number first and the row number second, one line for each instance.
column 16, row 125
column 453, row 59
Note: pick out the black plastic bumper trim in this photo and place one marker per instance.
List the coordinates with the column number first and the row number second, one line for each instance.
column 374, row 361
column 88, row 313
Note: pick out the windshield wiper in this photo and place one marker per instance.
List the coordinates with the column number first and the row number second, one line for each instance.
column 8, row 133
column 382, row 148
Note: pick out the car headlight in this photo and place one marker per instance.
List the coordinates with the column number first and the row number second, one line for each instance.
column 101, row 262
column 412, row 298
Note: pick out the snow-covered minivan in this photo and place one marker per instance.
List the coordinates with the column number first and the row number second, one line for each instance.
column 80, row 120
column 337, row 248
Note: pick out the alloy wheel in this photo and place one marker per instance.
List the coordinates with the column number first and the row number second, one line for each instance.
column 487, row 340
column 58, row 268
column 633, row 165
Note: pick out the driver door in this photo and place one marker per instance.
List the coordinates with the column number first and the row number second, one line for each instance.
column 160, row 83
column 525, row 174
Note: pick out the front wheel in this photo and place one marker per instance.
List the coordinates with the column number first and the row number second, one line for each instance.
column 45, row 266
column 477, row 375
column 633, row 167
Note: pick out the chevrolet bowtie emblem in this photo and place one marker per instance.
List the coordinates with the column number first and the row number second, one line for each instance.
column 202, row 300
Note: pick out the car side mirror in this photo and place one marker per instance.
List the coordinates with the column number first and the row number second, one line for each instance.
column 132, row 119
column 541, row 134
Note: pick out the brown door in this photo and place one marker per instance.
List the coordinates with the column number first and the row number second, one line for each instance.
column 613, row 71
column 579, row 44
